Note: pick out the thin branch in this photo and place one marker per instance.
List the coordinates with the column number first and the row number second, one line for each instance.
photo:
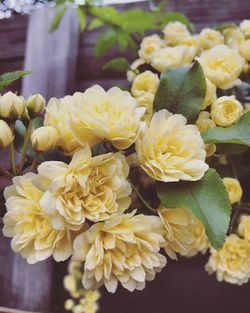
column 25, row 146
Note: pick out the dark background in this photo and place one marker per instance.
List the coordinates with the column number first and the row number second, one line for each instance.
column 183, row 286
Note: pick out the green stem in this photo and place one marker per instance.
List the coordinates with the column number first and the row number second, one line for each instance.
column 12, row 150
column 148, row 206
column 34, row 162
column 25, row 146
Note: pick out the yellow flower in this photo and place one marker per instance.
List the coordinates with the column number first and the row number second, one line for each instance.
column 184, row 233
column 233, row 37
column 244, row 227
column 245, row 28
column 146, row 101
column 89, row 187
column 232, row 262
column 148, row 46
column 209, row 38
column 204, row 122
column 113, row 115
column 6, row 136
column 69, row 305
column 29, row 226
column 173, row 57
column 210, row 94
column 123, row 249
column 210, row 149
column 44, row 138
column 133, row 71
column 35, row 105
column 226, row 111
column 175, row 32
column 11, row 106
column 169, row 150
column 70, row 283
column 245, row 49
column 233, row 188
column 58, row 116
column 191, row 41
column 222, row 66
column 146, row 82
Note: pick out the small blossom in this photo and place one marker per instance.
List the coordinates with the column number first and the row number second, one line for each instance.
column 233, row 37
column 210, row 94
column 245, row 49
column 44, row 138
column 244, row 227
column 35, row 105
column 245, row 28
column 233, row 188
column 146, row 82
column 11, row 106
column 204, row 121
column 210, row 38
column 148, row 46
column 6, row 136
column 175, row 32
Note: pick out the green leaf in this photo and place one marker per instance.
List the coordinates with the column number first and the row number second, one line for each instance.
column 95, row 23
column 8, row 78
column 107, row 14
column 182, row 90
column 57, row 19
column 105, row 42
column 238, row 133
column 137, row 21
column 223, row 26
column 119, row 64
column 207, row 199
column 167, row 17
column 82, row 18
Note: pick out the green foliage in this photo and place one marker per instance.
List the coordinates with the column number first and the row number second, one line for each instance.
column 57, row 19
column 95, row 23
column 223, row 26
column 206, row 198
column 238, row 133
column 8, row 78
column 105, row 42
column 82, row 18
column 182, row 90
column 118, row 64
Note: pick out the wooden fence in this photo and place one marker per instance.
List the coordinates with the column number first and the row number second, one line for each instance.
column 63, row 63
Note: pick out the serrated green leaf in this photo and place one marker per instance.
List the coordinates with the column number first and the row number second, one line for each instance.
column 119, row 64
column 207, row 199
column 8, row 78
column 82, row 18
column 182, row 90
column 95, row 23
column 57, row 19
column 238, row 133
column 105, row 42
column 223, row 26
column 167, row 17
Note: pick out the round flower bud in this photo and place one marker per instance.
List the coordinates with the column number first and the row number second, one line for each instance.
column 210, row 38
column 204, row 121
column 226, row 111
column 44, row 138
column 131, row 73
column 146, row 82
column 6, row 136
column 233, row 188
column 175, row 32
column 245, row 49
column 35, row 105
column 69, row 305
column 245, row 27
column 233, row 37
column 11, row 106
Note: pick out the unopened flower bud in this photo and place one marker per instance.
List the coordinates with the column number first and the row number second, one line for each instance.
column 11, row 106
column 44, row 138
column 6, row 136
column 35, row 105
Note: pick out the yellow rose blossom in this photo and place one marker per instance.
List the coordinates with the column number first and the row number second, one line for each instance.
column 209, row 38
column 245, row 28
column 191, row 41
column 44, row 138
column 226, row 111
column 175, row 32
column 173, row 57
column 6, row 136
column 113, row 115
column 89, row 187
column 233, row 188
column 169, row 150
column 33, row 235
column 244, row 227
column 222, row 66
column 210, row 149
column 204, row 121
column 148, row 46
column 123, row 249
column 211, row 95
column 245, row 49
column 133, row 71
column 146, row 101
column 233, row 37
column 58, row 116
column 146, row 82
column 184, row 233
column 232, row 262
